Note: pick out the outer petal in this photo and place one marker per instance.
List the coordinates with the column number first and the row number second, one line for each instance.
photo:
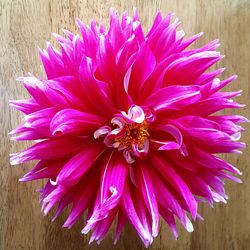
column 71, row 121
column 120, row 224
column 27, row 106
column 49, row 150
column 168, row 202
column 129, row 210
column 77, row 166
column 82, row 197
column 142, row 68
column 44, row 169
column 93, row 89
column 177, row 183
column 173, row 97
column 112, row 183
column 146, row 186
column 186, row 69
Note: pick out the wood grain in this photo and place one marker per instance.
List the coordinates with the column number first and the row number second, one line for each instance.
column 26, row 24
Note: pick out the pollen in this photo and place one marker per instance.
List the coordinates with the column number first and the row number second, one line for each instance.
column 135, row 133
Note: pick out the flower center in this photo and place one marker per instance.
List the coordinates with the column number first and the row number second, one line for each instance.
column 135, row 133
column 129, row 133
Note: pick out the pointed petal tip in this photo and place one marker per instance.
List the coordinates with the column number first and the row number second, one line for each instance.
column 91, row 239
column 20, row 79
column 234, row 76
column 78, row 21
column 189, row 227
column 14, row 161
column 85, row 230
column 66, row 225
column 54, row 218
column 22, row 179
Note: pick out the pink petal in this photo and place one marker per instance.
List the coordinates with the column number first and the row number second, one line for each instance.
column 44, row 169
column 82, row 197
column 70, row 121
column 120, row 224
column 78, row 165
column 147, row 189
column 187, row 69
column 27, row 106
column 169, row 218
column 168, row 202
column 112, row 183
column 49, row 150
column 173, row 97
column 142, row 68
column 176, row 181
column 94, row 89
column 129, row 210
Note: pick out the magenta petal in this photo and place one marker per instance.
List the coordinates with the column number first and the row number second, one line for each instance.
column 157, row 21
column 68, row 89
column 70, row 121
column 170, row 145
column 120, row 224
column 44, row 169
column 112, row 183
column 48, row 150
column 129, row 210
column 169, row 203
column 147, row 189
column 173, row 97
column 189, row 41
column 176, row 181
column 210, row 161
column 186, row 69
column 78, row 165
column 169, row 218
column 208, row 106
column 27, row 106
column 89, row 38
column 106, row 59
column 142, row 211
column 102, row 227
column 35, row 87
column 114, row 176
column 95, row 89
column 142, row 68
column 81, row 198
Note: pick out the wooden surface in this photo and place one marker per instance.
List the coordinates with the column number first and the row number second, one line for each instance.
column 26, row 24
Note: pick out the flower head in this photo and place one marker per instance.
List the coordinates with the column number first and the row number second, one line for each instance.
column 125, row 128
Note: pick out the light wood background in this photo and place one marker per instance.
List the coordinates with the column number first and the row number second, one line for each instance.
column 26, row 24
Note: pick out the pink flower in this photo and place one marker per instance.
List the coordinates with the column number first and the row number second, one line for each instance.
column 124, row 126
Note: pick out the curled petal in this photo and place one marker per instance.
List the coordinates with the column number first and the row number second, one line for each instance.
column 135, row 114
column 102, row 131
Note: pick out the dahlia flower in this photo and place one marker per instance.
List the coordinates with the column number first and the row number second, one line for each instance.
column 124, row 127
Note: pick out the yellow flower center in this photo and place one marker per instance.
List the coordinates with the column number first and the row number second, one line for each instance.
column 136, row 133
